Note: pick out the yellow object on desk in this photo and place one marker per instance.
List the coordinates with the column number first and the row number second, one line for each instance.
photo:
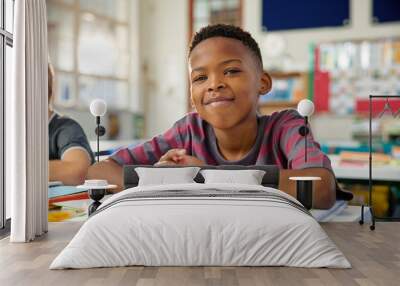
column 380, row 197
column 57, row 216
column 65, row 212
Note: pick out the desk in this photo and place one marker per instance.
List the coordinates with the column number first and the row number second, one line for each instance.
column 387, row 204
column 68, row 211
column 379, row 173
column 112, row 145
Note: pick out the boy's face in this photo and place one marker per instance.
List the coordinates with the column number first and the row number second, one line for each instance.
column 225, row 81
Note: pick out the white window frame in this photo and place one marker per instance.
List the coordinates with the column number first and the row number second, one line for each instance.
column 6, row 39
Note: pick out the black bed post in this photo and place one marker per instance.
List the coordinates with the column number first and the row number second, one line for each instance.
column 372, row 227
column 370, row 204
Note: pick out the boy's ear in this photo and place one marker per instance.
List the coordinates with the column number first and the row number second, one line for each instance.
column 266, row 83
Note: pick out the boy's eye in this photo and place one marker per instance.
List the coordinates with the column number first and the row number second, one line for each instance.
column 231, row 71
column 199, row 78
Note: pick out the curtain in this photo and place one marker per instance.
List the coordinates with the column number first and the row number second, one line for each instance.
column 27, row 123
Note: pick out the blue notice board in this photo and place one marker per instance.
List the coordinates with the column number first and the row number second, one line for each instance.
column 384, row 11
column 288, row 14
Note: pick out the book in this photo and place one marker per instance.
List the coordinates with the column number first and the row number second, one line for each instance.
column 72, row 197
column 69, row 211
column 362, row 158
column 327, row 215
column 63, row 190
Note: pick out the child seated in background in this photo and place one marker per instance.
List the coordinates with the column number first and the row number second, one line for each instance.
column 69, row 150
column 226, row 80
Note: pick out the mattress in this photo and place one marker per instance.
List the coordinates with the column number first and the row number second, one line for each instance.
column 201, row 225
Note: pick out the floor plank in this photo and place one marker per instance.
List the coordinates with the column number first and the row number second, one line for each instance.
column 374, row 255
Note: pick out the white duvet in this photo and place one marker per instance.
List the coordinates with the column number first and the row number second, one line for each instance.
column 266, row 229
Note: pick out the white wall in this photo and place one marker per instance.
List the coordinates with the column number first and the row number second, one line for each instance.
column 163, row 46
column 135, row 78
column 297, row 41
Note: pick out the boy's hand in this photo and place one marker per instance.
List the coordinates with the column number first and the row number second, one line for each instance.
column 178, row 157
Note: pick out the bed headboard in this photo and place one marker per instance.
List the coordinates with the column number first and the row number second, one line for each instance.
column 270, row 179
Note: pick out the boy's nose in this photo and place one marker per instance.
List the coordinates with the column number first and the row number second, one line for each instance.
column 216, row 85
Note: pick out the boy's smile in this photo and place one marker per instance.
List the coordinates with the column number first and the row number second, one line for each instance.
column 219, row 100
column 225, row 82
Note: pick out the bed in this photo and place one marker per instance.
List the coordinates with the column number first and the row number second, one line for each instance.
column 201, row 224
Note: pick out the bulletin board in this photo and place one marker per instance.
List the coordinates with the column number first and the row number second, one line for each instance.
column 384, row 11
column 288, row 14
column 346, row 73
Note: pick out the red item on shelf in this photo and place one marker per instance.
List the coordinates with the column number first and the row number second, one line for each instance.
column 321, row 91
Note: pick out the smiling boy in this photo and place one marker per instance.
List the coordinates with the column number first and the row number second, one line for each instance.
column 226, row 80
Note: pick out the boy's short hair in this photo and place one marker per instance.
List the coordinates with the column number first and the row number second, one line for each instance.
column 227, row 31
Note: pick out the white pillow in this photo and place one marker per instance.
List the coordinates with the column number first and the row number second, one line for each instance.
column 248, row 177
column 163, row 176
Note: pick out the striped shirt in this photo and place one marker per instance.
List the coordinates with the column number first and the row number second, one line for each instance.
column 278, row 142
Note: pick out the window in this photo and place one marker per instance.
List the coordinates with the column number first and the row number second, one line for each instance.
column 6, row 43
column 206, row 12
column 90, row 51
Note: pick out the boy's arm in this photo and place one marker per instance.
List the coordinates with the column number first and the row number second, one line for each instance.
column 107, row 170
column 324, row 191
column 147, row 153
column 150, row 152
column 72, row 150
column 72, row 169
column 318, row 164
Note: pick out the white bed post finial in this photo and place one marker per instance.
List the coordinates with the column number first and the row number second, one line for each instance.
column 306, row 109
column 98, row 108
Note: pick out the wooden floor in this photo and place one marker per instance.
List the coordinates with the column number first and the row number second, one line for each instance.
column 375, row 256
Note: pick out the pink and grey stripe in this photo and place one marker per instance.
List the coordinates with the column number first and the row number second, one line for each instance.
column 278, row 142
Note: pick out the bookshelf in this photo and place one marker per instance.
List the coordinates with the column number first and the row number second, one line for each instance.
column 273, row 106
column 288, row 88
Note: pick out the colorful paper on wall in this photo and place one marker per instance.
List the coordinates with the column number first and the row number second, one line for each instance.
column 378, row 106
